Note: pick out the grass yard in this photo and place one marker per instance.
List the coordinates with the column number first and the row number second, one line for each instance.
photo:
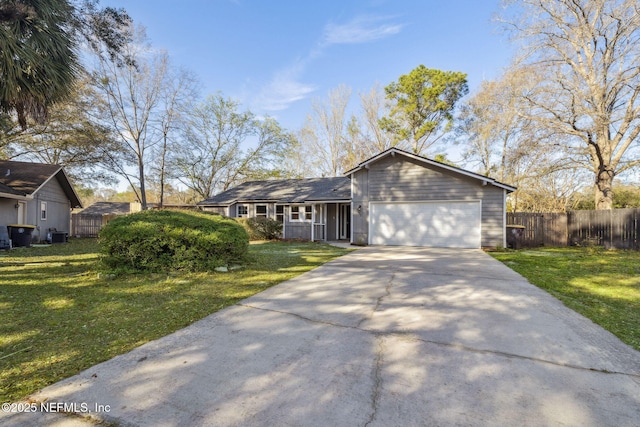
column 600, row 284
column 60, row 315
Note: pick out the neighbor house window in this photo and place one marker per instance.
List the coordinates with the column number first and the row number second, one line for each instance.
column 43, row 211
column 301, row 213
column 280, row 213
column 261, row 210
column 242, row 211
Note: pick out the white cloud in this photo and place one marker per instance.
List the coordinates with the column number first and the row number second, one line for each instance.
column 361, row 29
column 286, row 88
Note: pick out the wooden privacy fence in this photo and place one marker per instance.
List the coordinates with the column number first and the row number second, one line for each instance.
column 88, row 225
column 616, row 228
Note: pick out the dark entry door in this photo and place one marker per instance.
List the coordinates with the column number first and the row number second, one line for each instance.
column 344, row 222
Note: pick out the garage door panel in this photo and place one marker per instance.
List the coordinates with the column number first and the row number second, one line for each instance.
column 441, row 224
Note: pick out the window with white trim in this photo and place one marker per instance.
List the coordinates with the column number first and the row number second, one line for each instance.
column 261, row 211
column 43, row 211
column 280, row 213
column 242, row 211
column 301, row 213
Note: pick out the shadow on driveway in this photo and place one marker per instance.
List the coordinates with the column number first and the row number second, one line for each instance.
column 379, row 337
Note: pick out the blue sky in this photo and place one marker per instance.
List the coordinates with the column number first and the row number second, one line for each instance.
column 274, row 57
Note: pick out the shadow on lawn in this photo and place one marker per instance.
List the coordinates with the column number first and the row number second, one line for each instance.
column 60, row 317
column 600, row 284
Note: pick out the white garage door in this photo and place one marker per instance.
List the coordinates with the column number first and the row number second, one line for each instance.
column 436, row 224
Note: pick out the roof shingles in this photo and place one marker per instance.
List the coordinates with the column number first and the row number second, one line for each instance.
column 23, row 177
column 284, row 191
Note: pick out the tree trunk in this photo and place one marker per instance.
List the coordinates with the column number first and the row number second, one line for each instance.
column 162, row 167
column 604, row 188
column 143, row 190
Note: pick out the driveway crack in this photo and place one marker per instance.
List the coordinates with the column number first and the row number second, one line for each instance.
column 377, row 379
column 308, row 319
column 454, row 345
column 505, row 354
column 387, row 292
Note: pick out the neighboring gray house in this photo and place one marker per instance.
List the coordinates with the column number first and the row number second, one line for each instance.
column 110, row 208
column 393, row 198
column 36, row 194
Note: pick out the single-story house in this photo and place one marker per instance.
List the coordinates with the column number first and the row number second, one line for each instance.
column 36, row 194
column 110, row 208
column 393, row 198
column 310, row 209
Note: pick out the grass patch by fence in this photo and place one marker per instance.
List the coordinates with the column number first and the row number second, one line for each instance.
column 59, row 315
column 603, row 285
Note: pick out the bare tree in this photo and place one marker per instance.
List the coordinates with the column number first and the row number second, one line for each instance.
column 506, row 144
column 134, row 95
column 375, row 138
column 178, row 90
column 496, row 135
column 223, row 146
column 587, row 52
column 548, row 190
column 326, row 132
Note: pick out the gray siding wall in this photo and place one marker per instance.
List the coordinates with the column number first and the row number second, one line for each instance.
column 58, row 211
column 8, row 212
column 296, row 229
column 8, row 215
column 233, row 211
column 401, row 179
column 360, row 207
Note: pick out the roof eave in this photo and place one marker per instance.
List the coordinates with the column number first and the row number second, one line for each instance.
column 16, row 196
column 328, row 200
column 509, row 188
column 65, row 183
column 214, row 205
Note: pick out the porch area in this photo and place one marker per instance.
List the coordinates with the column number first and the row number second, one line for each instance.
column 331, row 222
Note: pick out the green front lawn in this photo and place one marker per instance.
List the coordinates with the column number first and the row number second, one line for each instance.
column 60, row 315
column 599, row 284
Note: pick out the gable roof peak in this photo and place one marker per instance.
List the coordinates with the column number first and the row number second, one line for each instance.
column 394, row 150
column 24, row 179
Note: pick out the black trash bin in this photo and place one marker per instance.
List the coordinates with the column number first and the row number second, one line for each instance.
column 20, row 234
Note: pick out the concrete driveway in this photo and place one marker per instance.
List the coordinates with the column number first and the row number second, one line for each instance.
column 381, row 337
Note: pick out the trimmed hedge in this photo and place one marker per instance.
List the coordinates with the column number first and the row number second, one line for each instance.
column 164, row 240
column 261, row 228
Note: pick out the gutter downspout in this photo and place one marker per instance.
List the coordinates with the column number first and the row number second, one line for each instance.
column 504, row 218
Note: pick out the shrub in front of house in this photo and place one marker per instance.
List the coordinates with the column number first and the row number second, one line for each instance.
column 261, row 228
column 163, row 240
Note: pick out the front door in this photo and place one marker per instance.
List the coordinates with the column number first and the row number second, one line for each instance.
column 344, row 222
